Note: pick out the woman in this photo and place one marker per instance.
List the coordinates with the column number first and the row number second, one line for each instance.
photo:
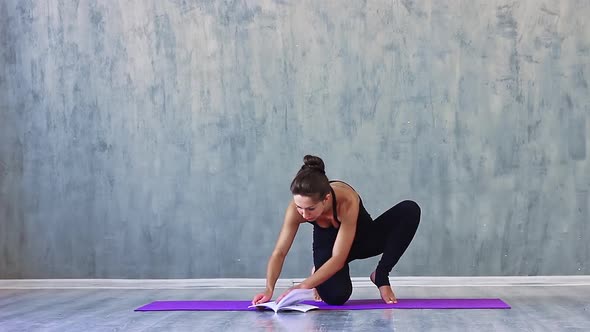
column 342, row 232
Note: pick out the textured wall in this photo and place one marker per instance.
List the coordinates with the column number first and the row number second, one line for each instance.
column 157, row 139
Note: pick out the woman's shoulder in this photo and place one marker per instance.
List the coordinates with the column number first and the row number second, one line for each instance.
column 342, row 186
column 345, row 193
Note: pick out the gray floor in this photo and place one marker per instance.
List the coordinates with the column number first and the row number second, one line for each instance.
column 534, row 308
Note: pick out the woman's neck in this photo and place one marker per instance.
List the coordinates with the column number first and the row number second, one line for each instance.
column 327, row 212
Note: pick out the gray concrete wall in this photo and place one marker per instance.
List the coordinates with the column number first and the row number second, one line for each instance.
column 157, row 139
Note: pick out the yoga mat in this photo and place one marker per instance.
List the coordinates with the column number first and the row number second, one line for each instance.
column 350, row 305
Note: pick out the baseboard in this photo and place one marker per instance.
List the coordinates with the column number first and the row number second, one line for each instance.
column 508, row 281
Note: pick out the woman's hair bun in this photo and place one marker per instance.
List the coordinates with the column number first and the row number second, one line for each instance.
column 313, row 162
column 311, row 179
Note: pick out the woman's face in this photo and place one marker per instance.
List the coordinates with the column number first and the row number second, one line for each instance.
column 308, row 208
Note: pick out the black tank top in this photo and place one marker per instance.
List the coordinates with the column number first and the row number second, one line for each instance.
column 324, row 237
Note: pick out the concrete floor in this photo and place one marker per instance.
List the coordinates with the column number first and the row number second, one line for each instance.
column 534, row 308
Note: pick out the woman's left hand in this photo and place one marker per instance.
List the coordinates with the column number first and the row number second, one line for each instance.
column 298, row 286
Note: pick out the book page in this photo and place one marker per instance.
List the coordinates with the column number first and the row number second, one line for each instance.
column 271, row 305
column 302, row 307
column 295, row 296
column 291, row 300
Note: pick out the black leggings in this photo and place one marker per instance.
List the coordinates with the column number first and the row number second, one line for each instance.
column 390, row 234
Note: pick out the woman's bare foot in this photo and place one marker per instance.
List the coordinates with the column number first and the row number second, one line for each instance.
column 316, row 296
column 386, row 292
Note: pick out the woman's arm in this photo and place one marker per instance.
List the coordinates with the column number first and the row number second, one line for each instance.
column 275, row 263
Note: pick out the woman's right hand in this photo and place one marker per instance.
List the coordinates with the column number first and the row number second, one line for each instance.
column 262, row 297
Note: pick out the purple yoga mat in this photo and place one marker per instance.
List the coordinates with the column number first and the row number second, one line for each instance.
column 350, row 305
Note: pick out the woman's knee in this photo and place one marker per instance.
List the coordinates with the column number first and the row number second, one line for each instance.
column 412, row 209
column 336, row 298
column 335, row 292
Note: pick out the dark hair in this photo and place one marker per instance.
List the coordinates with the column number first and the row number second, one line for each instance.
column 311, row 180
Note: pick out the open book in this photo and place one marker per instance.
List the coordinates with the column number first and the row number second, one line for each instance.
column 291, row 302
